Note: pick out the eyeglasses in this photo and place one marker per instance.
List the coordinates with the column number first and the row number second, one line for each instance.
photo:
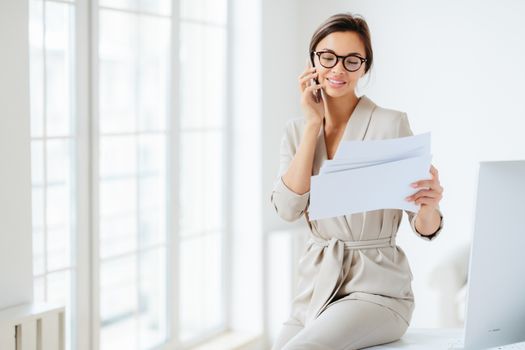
column 329, row 59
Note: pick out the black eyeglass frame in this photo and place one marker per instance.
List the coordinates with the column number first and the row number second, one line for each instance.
column 343, row 58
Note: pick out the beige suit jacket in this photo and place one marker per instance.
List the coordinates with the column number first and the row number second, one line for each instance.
column 353, row 256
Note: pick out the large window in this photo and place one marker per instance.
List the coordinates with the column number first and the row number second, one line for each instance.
column 202, row 180
column 154, row 153
column 53, row 144
column 133, row 86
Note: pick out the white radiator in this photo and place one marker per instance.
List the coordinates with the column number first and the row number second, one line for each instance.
column 32, row 327
column 282, row 251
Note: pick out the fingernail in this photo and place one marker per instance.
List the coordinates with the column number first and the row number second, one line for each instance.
column 413, row 184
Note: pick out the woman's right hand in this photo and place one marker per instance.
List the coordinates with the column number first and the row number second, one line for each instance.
column 313, row 111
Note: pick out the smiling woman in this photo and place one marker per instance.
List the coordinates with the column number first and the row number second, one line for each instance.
column 354, row 281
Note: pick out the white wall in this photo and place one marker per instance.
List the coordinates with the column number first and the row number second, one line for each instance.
column 15, row 181
column 280, row 91
column 456, row 67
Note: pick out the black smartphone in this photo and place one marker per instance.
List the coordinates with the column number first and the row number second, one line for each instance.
column 317, row 93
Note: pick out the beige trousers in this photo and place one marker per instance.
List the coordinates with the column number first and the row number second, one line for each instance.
column 344, row 325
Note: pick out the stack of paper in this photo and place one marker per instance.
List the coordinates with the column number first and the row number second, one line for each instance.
column 370, row 175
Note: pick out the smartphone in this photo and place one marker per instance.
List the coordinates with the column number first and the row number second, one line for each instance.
column 317, row 93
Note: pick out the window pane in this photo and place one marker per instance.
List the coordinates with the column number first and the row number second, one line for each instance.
column 214, row 11
column 37, row 198
column 153, row 72
column 118, row 157
column 200, row 286
column 203, row 73
column 118, row 224
column 59, row 203
column 37, row 208
column 118, row 195
column 59, row 154
column 58, row 206
column 202, row 166
column 58, row 227
column 58, row 248
column 36, row 65
column 37, row 163
column 120, row 4
column 58, row 287
column 152, row 218
column 152, row 189
column 117, row 77
column 118, row 235
column 134, row 74
column 38, row 252
column 152, row 154
column 118, row 289
column 59, row 67
column 213, row 296
column 39, row 290
column 119, row 334
column 161, row 7
column 118, row 304
column 214, row 180
column 191, row 288
column 153, row 306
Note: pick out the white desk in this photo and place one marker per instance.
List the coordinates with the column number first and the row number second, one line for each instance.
column 425, row 339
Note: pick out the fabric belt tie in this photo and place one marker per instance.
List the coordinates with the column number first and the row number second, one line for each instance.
column 332, row 268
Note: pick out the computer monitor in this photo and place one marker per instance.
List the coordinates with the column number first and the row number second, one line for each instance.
column 495, row 312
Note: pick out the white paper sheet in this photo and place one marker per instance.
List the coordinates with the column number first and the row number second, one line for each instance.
column 370, row 175
column 378, row 149
column 335, row 165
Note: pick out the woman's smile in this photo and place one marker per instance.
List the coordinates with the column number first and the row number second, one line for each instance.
column 335, row 83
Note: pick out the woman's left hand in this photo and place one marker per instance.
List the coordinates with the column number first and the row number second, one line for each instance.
column 431, row 195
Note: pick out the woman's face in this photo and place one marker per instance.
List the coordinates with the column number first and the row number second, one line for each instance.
column 337, row 81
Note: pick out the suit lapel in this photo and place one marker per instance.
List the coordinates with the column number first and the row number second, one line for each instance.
column 355, row 130
column 320, row 153
column 360, row 120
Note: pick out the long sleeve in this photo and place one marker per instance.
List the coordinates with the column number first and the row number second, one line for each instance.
column 288, row 204
column 412, row 220
column 404, row 130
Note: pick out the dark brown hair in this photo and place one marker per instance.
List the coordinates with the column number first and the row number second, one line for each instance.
column 345, row 22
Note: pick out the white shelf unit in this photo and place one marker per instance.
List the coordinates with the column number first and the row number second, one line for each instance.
column 36, row 326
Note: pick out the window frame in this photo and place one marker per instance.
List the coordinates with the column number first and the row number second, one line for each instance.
column 77, row 138
column 95, row 139
column 173, row 133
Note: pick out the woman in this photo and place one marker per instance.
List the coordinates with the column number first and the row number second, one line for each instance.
column 355, row 283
